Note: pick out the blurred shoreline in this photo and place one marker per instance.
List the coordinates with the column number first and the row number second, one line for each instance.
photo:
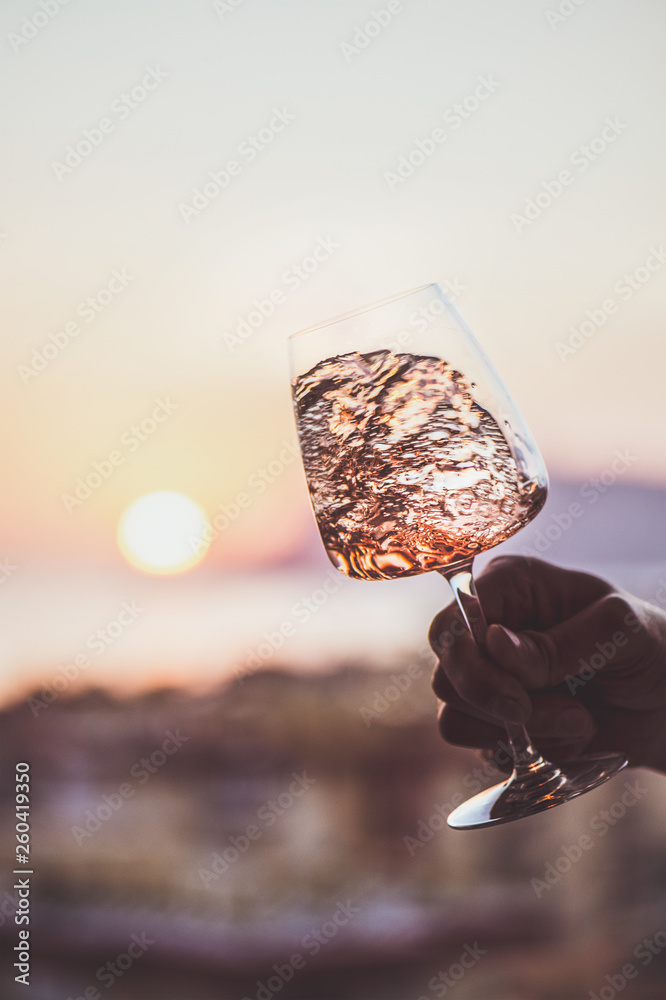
column 205, row 627
column 306, row 815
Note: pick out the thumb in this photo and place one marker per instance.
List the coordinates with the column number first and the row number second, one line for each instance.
column 604, row 641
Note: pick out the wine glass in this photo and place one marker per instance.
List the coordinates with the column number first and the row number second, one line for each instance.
column 417, row 459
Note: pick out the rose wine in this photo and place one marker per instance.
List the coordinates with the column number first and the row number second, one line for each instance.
column 407, row 473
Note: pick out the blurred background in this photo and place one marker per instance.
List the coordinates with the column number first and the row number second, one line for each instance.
column 233, row 749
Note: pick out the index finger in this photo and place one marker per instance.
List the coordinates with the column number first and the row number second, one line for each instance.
column 529, row 593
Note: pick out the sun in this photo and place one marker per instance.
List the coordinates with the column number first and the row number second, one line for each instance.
column 164, row 533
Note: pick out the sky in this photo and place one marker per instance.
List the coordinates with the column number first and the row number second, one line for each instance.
column 513, row 153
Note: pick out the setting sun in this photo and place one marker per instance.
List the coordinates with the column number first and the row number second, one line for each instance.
column 164, row 533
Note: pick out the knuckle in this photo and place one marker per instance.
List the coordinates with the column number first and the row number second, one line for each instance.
column 507, row 561
column 510, row 571
column 513, row 565
column 549, row 654
column 615, row 608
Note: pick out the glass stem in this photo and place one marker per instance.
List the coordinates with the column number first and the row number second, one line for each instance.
column 525, row 758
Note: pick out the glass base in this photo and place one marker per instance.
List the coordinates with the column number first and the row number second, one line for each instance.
column 533, row 789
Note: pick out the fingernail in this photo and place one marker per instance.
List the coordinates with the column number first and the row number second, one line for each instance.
column 511, row 636
column 571, row 722
column 507, row 708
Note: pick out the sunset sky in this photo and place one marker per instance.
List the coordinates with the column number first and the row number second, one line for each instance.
column 126, row 268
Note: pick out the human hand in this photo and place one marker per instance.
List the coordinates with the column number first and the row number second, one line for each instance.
column 582, row 664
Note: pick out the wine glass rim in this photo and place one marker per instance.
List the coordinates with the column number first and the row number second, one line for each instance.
column 363, row 309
